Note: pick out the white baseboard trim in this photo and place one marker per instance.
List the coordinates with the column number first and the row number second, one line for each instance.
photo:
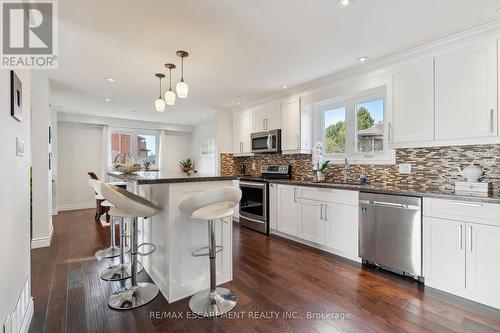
column 85, row 205
column 28, row 317
column 42, row 241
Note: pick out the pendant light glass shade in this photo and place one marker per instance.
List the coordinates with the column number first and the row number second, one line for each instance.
column 170, row 97
column 182, row 89
column 160, row 105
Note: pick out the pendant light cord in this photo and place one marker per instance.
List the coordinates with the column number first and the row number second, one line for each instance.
column 160, row 87
column 182, row 69
column 170, row 77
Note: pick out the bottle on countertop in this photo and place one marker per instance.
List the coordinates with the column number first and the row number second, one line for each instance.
column 362, row 178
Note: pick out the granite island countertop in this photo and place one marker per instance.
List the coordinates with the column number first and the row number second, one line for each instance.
column 160, row 177
column 388, row 189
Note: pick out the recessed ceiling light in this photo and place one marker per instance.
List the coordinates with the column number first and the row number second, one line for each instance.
column 203, row 113
column 97, row 114
column 345, row 3
column 362, row 59
column 110, row 79
column 239, row 102
column 284, row 86
column 107, row 99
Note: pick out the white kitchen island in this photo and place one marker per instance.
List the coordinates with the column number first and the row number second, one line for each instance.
column 172, row 267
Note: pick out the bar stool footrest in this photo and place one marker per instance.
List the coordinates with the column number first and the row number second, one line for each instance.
column 143, row 254
column 204, row 251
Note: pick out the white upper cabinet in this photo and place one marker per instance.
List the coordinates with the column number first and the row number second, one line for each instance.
column 242, row 129
column 413, row 114
column 295, row 127
column 267, row 117
column 466, row 92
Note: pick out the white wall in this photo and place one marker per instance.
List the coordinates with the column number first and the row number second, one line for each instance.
column 41, row 175
column 15, row 194
column 177, row 146
column 202, row 132
column 79, row 151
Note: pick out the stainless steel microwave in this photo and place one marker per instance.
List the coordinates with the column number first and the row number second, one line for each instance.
column 266, row 142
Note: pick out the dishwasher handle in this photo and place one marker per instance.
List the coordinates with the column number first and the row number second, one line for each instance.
column 389, row 204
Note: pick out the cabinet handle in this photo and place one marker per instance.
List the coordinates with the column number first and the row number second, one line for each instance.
column 266, row 124
column 470, row 238
column 492, row 120
column 460, row 237
column 470, row 204
column 389, row 132
column 326, row 214
column 294, row 194
column 320, row 211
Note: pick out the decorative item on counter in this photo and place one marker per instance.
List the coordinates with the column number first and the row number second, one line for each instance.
column 125, row 163
column 472, row 173
column 362, row 177
column 187, row 166
column 147, row 165
column 318, row 162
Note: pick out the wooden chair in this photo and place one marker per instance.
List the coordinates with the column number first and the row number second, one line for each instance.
column 99, row 209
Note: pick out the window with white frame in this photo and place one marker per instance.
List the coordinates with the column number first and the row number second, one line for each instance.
column 354, row 127
column 142, row 145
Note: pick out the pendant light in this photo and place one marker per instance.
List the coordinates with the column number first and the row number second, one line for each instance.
column 182, row 87
column 160, row 103
column 170, row 95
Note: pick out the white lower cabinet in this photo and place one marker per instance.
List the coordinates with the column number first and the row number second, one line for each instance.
column 311, row 223
column 287, row 217
column 444, row 253
column 460, row 257
column 312, row 215
column 341, row 229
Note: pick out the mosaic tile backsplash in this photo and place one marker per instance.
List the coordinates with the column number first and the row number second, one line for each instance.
column 431, row 168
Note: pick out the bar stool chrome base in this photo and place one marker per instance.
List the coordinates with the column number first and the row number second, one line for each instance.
column 212, row 304
column 119, row 272
column 133, row 297
column 110, row 252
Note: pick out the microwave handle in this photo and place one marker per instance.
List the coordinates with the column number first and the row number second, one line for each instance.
column 269, row 137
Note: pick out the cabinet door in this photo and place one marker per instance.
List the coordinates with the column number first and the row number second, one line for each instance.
column 483, row 269
column 273, row 206
column 287, row 210
column 341, row 228
column 273, row 116
column 290, row 121
column 246, row 128
column 413, row 115
column 466, row 92
column 444, row 254
column 311, row 224
column 259, row 119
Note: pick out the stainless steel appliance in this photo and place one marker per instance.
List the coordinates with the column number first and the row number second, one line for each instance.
column 390, row 232
column 254, row 203
column 266, row 142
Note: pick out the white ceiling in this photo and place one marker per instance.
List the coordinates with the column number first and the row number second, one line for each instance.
column 240, row 50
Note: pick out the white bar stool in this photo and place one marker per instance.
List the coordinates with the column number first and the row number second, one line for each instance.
column 211, row 205
column 133, row 206
column 112, row 251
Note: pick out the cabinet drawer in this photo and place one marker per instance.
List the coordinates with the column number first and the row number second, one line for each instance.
column 468, row 211
column 329, row 195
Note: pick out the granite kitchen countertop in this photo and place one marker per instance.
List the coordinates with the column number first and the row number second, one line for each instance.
column 388, row 189
column 159, row 177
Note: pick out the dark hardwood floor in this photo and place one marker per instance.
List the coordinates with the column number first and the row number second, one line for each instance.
column 273, row 277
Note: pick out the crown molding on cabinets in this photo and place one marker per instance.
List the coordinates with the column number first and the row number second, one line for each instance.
column 381, row 65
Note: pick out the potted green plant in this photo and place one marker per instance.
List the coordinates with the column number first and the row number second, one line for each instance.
column 320, row 165
column 321, row 172
column 187, row 166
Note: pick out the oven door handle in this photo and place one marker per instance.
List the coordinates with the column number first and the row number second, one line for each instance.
column 256, row 185
column 269, row 141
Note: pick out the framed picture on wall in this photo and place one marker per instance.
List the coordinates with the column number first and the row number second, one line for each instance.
column 16, row 97
column 207, row 148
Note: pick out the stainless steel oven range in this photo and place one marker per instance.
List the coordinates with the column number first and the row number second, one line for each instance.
column 254, row 203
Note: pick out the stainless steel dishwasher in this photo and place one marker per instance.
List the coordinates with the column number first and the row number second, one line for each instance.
column 390, row 232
